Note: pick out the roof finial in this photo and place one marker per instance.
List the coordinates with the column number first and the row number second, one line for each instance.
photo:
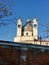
column 19, row 17
column 34, row 17
column 28, row 19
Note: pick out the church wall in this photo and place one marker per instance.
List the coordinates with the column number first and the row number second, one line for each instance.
column 35, row 33
column 19, row 32
column 29, row 33
column 24, row 38
column 46, row 43
column 30, row 40
column 17, row 39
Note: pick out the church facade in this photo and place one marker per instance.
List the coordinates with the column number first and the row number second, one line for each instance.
column 28, row 32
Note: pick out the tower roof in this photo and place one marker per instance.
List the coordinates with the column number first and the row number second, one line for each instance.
column 19, row 18
column 35, row 19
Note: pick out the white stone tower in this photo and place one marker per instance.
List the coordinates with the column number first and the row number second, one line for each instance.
column 19, row 27
column 35, row 28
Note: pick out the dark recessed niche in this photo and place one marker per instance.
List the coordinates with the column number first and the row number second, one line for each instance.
column 19, row 25
column 35, row 25
column 26, row 33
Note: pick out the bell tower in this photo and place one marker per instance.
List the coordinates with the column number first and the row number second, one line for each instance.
column 35, row 28
column 19, row 27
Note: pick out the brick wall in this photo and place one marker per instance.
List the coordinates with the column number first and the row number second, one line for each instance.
column 14, row 56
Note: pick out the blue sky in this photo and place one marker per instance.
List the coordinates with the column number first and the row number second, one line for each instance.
column 24, row 9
